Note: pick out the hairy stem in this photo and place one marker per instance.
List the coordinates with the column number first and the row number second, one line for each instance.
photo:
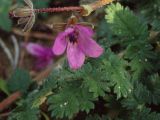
column 59, row 9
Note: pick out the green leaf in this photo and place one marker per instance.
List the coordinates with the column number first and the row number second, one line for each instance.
column 96, row 83
column 64, row 104
column 125, row 24
column 146, row 93
column 134, row 35
column 93, row 79
column 153, row 86
column 117, row 75
column 5, row 22
column 150, row 10
column 138, row 98
column 19, row 81
column 141, row 56
column 145, row 114
column 3, row 86
column 24, row 112
column 85, row 99
column 44, row 91
column 70, row 99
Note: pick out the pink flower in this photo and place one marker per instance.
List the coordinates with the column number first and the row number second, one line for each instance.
column 77, row 41
column 44, row 55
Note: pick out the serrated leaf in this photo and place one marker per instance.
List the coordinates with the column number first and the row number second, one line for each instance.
column 42, row 94
column 124, row 23
column 24, row 112
column 85, row 99
column 19, row 81
column 145, row 114
column 96, row 84
column 70, row 100
column 118, row 75
column 64, row 104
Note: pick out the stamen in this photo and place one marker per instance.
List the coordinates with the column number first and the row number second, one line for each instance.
column 72, row 38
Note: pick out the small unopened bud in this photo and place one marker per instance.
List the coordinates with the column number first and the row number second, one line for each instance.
column 88, row 9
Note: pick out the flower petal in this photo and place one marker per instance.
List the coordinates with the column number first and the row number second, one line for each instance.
column 89, row 46
column 44, row 55
column 86, row 43
column 75, row 56
column 85, row 30
column 42, row 63
column 37, row 50
column 61, row 42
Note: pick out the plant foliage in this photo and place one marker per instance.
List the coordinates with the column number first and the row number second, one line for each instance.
column 127, row 71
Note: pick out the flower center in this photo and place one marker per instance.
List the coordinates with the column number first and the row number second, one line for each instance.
column 73, row 37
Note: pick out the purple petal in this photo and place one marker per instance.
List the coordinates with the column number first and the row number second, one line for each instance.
column 37, row 50
column 61, row 42
column 75, row 56
column 44, row 56
column 89, row 46
column 42, row 63
column 86, row 43
column 85, row 30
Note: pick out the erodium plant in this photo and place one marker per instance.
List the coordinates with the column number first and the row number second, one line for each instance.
column 109, row 71
column 76, row 38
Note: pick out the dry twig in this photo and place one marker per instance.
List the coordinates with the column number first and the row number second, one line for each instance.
column 8, row 101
